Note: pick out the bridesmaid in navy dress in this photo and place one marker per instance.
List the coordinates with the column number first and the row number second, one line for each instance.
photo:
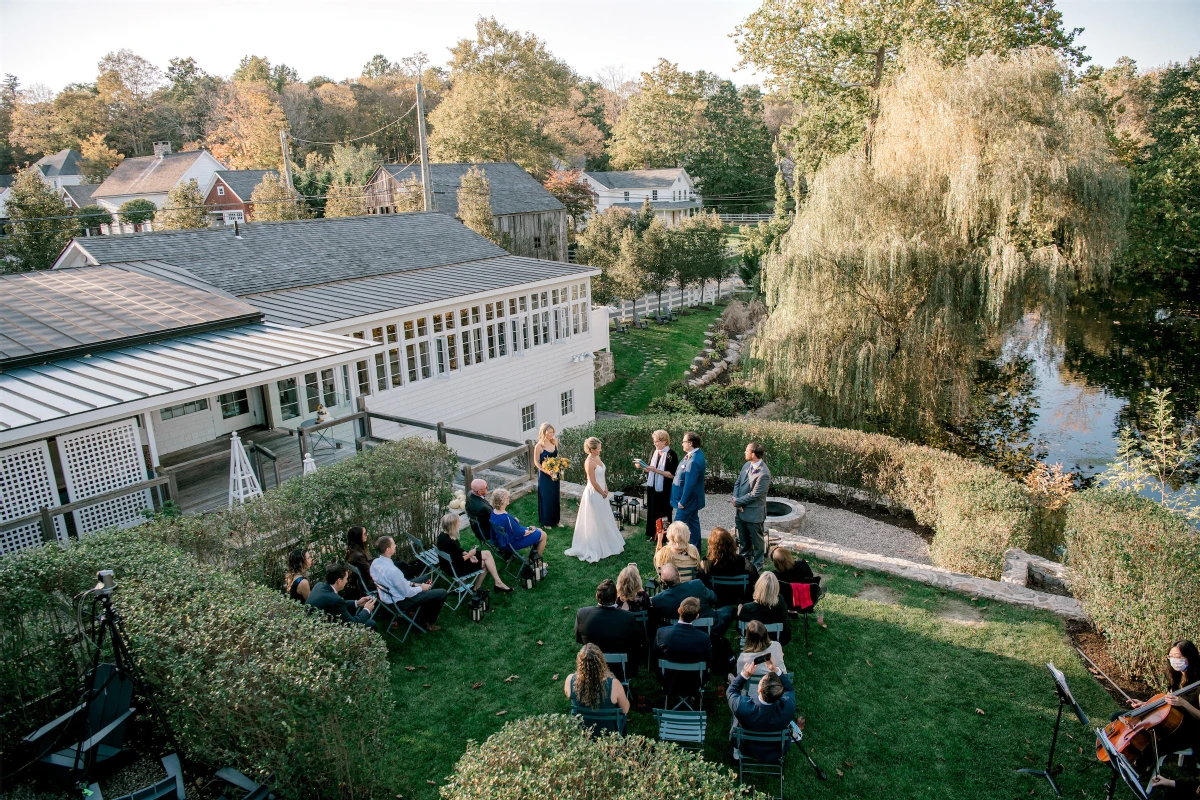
column 546, row 447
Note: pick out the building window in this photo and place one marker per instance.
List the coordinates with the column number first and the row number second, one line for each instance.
column 289, row 399
column 377, row 334
column 220, row 191
column 391, row 334
column 627, row 197
column 394, row 361
column 360, row 334
column 654, row 194
column 528, row 418
column 567, row 399
column 234, row 404
column 364, row 377
column 328, row 388
column 187, row 408
column 381, row 372
column 410, row 354
column 312, row 392
column 537, row 242
column 426, row 369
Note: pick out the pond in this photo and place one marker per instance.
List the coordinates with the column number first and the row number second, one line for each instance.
column 1094, row 364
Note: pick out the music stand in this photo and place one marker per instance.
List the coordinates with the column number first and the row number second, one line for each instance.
column 1121, row 768
column 1065, row 698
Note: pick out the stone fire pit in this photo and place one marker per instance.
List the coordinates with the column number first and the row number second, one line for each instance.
column 784, row 515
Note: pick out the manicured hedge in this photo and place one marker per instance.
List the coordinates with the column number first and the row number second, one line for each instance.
column 551, row 756
column 246, row 678
column 395, row 488
column 1137, row 573
column 976, row 511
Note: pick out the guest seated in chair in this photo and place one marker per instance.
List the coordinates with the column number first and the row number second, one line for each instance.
column 464, row 563
column 673, row 593
column 326, row 596
column 767, row 606
column 420, row 601
column 300, row 561
column 682, row 644
column 772, row 708
column 789, row 569
column 610, row 628
column 356, row 556
column 479, row 510
column 631, row 596
column 507, row 529
column 592, row 685
column 678, row 551
column 757, row 644
column 725, row 561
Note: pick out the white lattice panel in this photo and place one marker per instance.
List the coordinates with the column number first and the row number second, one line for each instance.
column 103, row 459
column 28, row 480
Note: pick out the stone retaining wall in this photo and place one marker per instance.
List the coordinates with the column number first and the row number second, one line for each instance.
column 605, row 368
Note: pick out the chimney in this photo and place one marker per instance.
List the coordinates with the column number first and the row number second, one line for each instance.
column 162, row 148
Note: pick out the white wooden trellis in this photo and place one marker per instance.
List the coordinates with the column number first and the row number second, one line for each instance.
column 243, row 484
column 104, row 459
column 27, row 476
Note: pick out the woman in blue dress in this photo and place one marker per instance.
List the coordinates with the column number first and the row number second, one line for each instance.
column 546, row 447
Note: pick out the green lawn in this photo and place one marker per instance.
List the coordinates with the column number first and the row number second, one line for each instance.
column 646, row 361
column 890, row 692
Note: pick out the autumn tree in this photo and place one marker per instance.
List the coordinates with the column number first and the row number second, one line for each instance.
column 126, row 85
column 345, row 200
column 185, row 109
column 184, row 208
column 411, row 196
column 249, row 119
column 570, row 189
column 475, row 204
column 273, row 201
column 39, row 224
column 98, row 158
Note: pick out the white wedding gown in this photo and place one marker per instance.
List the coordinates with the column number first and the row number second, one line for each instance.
column 596, row 532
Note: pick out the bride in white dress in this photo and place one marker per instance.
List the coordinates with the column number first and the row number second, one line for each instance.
column 596, row 532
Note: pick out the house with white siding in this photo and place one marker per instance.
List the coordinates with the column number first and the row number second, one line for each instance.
column 670, row 192
column 151, row 177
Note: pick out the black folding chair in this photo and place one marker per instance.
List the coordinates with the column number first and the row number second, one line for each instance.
column 730, row 589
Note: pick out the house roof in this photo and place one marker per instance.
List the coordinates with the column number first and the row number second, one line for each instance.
column 637, row 178
column 329, row 302
column 660, row 205
column 81, row 193
column 58, row 313
column 7, row 181
column 512, row 189
column 243, row 181
column 148, row 174
column 216, row 361
column 64, row 162
column 271, row 256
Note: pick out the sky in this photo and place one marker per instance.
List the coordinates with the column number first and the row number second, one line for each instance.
column 55, row 42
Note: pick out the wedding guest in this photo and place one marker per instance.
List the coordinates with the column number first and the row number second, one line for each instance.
column 610, row 628
column 592, row 685
column 548, row 482
column 631, row 596
column 767, row 606
column 464, row 563
column 687, row 490
column 296, row 583
column 660, row 472
column 723, row 560
column 758, row 643
column 508, row 530
column 479, row 510
column 420, row 601
column 683, row 644
column 750, row 504
column 326, row 596
column 357, row 557
column 771, row 708
column 789, row 569
column 666, row 603
column 678, row 551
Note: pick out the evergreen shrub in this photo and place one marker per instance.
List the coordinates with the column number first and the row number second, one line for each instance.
column 1135, row 566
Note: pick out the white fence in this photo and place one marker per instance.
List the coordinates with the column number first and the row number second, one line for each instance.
column 672, row 298
column 739, row 218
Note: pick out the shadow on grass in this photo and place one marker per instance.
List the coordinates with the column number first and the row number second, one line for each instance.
column 889, row 692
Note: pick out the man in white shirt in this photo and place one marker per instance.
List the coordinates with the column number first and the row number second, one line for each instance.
column 420, row 601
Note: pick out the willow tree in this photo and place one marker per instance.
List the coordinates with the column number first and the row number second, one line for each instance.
column 989, row 186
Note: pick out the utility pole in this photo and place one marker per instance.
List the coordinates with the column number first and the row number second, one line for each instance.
column 287, row 161
column 426, row 184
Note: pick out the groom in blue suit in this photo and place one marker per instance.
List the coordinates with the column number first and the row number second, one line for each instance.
column 687, row 490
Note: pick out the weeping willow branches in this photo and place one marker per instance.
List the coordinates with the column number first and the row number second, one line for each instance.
column 990, row 186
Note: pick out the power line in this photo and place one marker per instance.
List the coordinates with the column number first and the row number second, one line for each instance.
column 358, row 138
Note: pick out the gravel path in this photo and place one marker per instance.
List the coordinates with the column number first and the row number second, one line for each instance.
column 835, row 525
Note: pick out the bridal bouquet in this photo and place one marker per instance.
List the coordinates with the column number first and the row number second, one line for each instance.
column 556, row 466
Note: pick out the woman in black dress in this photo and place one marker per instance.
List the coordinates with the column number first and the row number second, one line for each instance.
column 767, row 607
column 464, row 563
column 725, row 561
column 548, row 482
column 296, row 583
column 357, row 557
column 660, row 471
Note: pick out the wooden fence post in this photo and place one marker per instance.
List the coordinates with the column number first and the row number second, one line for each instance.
column 47, row 525
column 303, row 437
column 441, row 432
column 365, row 422
column 530, row 466
column 468, row 476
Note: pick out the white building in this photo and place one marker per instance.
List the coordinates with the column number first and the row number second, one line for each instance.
column 151, row 177
column 671, row 192
column 58, row 170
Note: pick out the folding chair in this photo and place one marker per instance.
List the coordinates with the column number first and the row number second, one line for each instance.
column 428, row 558
column 700, row 668
column 623, row 660
column 686, row 574
column 730, row 589
column 774, row 631
column 684, row 728
column 705, row 624
column 514, row 560
column 460, row 585
column 753, row 766
column 815, row 583
column 253, row 789
column 751, row 684
column 608, row 719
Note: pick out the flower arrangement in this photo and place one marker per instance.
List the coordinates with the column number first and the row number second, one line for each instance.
column 556, row 466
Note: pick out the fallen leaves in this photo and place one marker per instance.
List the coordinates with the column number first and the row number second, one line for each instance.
column 511, row 678
column 979, row 711
column 539, row 643
column 426, row 685
column 501, row 713
column 869, row 664
column 555, row 677
column 411, row 669
column 840, row 774
column 477, row 684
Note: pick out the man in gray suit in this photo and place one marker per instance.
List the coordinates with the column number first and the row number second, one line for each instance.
column 750, row 505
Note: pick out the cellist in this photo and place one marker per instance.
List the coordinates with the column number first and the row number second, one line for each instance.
column 1183, row 668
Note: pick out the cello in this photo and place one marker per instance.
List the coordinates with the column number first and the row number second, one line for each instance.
column 1132, row 733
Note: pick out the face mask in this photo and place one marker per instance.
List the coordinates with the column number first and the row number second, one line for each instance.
column 1179, row 664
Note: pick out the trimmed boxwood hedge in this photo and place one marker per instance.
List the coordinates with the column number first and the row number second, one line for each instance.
column 976, row 511
column 1137, row 573
column 246, row 677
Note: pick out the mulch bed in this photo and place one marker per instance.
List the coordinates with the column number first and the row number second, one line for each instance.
column 1087, row 639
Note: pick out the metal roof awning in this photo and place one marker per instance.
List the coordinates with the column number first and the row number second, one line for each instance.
column 42, row 399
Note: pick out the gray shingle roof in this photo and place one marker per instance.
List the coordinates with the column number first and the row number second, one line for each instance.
column 243, row 181
column 637, row 178
column 57, row 313
column 7, row 181
column 64, row 162
column 81, row 193
column 329, row 302
column 270, row 256
column 147, row 174
column 513, row 190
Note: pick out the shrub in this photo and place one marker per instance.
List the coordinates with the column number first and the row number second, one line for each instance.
column 976, row 512
column 553, row 756
column 671, row 403
column 1135, row 573
column 245, row 677
column 736, row 318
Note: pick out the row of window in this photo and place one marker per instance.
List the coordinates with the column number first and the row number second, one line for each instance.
column 677, row 194
column 529, row 421
column 233, row 404
column 320, row 388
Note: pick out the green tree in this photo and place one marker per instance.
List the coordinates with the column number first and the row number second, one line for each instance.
column 137, row 212
column 39, row 224
column 697, row 248
column 11, row 153
column 599, row 246
column 184, row 208
column 98, row 158
column 645, row 260
column 660, row 124
column 834, row 56
column 274, row 202
column 732, row 160
column 185, row 109
column 510, row 100
column 475, row 204
column 380, row 67
column 126, row 85
column 91, row 217
column 1162, row 461
column 345, row 200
